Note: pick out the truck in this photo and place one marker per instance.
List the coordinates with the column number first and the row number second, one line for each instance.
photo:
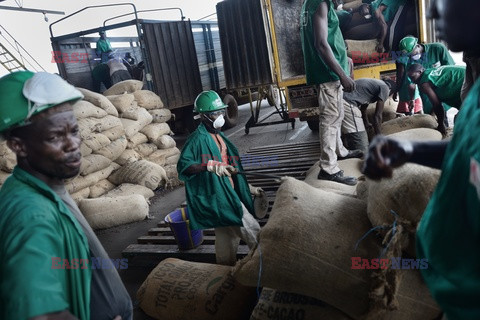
column 277, row 55
column 180, row 58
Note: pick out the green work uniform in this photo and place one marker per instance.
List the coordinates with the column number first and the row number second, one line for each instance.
column 391, row 9
column 449, row 232
column 316, row 70
column 103, row 45
column 447, row 82
column 35, row 228
column 434, row 55
column 212, row 201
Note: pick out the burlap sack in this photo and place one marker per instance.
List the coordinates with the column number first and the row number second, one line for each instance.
column 155, row 130
column 307, row 247
column 148, row 99
column 165, row 142
column 171, row 171
column 145, row 149
column 85, row 150
column 96, row 141
column 84, row 109
column 157, row 157
column 166, row 152
column 126, row 189
column 362, row 190
column 389, row 110
column 99, row 125
column 3, row 176
column 351, row 167
column 114, row 149
column 282, row 305
column 142, row 172
column 183, row 290
column 121, row 101
column 80, row 182
column 411, row 122
column 363, row 46
column 93, row 163
column 160, row 115
column 99, row 100
column 105, row 212
column 132, row 127
column 418, row 134
column 79, row 195
column 100, row 188
column 126, row 86
column 4, row 149
column 136, row 140
column 352, row 4
column 8, row 162
column 128, row 156
column 115, row 132
column 172, row 159
column 407, row 193
column 132, row 112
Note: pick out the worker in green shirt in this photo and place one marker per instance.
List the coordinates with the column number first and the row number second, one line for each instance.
column 326, row 65
column 449, row 231
column 104, row 48
column 217, row 197
column 373, row 20
column 430, row 55
column 45, row 242
column 442, row 86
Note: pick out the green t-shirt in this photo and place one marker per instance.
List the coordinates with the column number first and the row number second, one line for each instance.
column 447, row 81
column 435, row 55
column 212, row 201
column 391, row 9
column 316, row 70
column 103, row 45
column 35, row 228
column 449, row 232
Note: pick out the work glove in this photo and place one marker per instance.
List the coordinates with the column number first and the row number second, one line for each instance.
column 256, row 191
column 221, row 169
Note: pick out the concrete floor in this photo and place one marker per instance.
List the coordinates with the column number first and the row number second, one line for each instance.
column 116, row 239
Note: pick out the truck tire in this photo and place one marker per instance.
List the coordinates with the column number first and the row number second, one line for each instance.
column 231, row 114
column 313, row 125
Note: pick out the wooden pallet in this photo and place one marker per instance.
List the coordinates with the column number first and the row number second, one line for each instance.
column 290, row 160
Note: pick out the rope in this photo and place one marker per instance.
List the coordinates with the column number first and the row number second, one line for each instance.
column 259, row 270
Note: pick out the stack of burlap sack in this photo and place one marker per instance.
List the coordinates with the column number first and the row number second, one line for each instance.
column 127, row 154
column 308, row 259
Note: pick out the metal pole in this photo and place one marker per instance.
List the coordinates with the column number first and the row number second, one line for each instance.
column 32, row 10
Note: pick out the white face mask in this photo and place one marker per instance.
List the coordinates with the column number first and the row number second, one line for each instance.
column 219, row 122
column 417, row 56
column 368, row 16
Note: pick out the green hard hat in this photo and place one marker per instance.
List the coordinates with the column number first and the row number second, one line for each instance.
column 407, row 44
column 25, row 93
column 208, row 101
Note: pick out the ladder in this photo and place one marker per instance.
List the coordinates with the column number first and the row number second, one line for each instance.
column 13, row 55
column 9, row 61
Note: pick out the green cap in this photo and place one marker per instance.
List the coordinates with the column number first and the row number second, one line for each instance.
column 25, row 93
column 407, row 44
column 208, row 101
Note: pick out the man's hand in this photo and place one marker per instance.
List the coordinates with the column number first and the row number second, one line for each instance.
column 347, row 83
column 385, row 154
column 442, row 129
column 256, row 191
column 379, row 48
column 221, row 169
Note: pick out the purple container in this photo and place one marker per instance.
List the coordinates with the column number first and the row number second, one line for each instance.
column 179, row 223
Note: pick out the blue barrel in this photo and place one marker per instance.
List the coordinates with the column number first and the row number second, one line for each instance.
column 179, row 223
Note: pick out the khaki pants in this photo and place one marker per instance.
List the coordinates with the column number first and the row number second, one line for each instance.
column 227, row 239
column 330, row 101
